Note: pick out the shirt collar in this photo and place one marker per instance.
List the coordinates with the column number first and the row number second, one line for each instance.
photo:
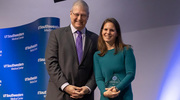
column 74, row 30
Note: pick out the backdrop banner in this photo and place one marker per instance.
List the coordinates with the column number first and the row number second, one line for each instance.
column 23, row 73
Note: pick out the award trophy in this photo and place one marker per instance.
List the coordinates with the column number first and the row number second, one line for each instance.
column 113, row 82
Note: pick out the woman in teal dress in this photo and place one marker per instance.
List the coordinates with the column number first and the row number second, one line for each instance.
column 114, row 63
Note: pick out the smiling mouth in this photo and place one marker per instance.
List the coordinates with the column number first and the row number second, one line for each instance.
column 108, row 36
column 78, row 22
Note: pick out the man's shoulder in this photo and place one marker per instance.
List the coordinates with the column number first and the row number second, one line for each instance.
column 61, row 29
column 59, row 32
column 92, row 34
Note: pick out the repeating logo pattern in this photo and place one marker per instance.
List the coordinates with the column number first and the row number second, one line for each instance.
column 23, row 74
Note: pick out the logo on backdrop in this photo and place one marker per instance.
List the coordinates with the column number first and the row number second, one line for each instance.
column 47, row 28
column 42, row 60
column 14, row 36
column 42, row 93
column 32, row 48
column 18, row 66
column 12, row 96
column 31, row 79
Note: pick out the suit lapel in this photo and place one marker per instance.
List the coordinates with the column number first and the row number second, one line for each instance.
column 87, row 44
column 71, row 42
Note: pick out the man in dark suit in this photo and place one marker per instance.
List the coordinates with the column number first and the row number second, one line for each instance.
column 71, row 75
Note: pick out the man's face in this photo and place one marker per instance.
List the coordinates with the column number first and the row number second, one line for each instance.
column 78, row 17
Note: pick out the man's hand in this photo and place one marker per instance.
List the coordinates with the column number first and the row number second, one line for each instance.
column 76, row 92
column 79, row 94
column 84, row 90
column 73, row 91
column 111, row 92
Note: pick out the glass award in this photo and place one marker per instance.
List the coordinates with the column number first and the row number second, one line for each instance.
column 113, row 82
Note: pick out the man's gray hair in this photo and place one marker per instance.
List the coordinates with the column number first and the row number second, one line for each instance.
column 81, row 3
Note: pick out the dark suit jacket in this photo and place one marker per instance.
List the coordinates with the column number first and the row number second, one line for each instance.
column 62, row 63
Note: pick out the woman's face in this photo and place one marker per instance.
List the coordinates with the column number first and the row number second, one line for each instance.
column 109, row 33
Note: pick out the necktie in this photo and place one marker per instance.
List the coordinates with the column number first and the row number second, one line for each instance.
column 79, row 46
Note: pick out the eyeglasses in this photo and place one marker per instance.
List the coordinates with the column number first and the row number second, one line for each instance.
column 82, row 15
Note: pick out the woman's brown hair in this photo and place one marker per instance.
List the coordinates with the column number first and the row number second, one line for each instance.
column 119, row 45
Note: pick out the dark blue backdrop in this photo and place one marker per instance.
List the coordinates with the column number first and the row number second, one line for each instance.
column 23, row 73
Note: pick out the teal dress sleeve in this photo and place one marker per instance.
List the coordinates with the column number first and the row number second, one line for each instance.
column 130, row 68
column 98, row 76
